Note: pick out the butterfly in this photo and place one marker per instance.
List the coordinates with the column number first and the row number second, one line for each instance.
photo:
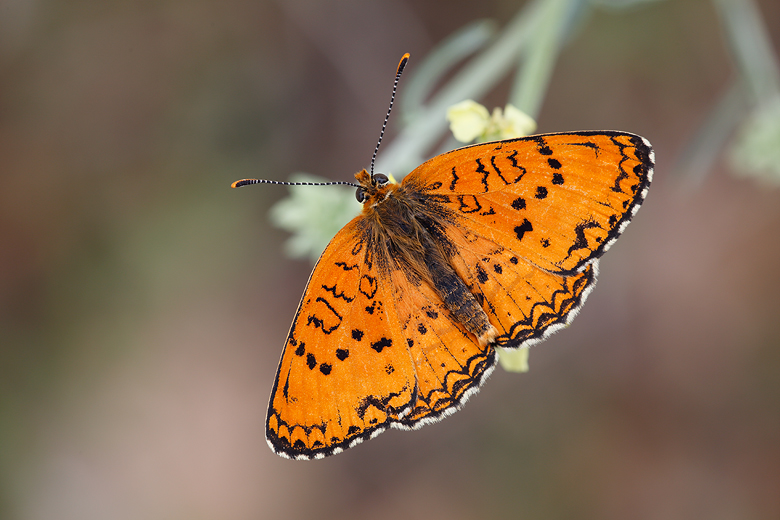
column 490, row 245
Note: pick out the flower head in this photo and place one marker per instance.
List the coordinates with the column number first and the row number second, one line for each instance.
column 469, row 121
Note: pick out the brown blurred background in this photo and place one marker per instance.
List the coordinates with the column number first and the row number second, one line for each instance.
column 144, row 304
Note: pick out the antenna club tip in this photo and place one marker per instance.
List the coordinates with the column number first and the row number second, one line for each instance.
column 402, row 63
column 242, row 182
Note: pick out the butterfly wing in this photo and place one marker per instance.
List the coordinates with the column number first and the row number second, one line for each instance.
column 557, row 201
column 345, row 373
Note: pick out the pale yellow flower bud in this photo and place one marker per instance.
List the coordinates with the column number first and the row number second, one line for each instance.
column 516, row 123
column 513, row 360
column 468, row 120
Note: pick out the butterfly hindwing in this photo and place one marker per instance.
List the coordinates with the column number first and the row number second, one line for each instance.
column 524, row 302
column 449, row 363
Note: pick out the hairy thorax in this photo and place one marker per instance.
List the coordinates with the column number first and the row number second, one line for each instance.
column 409, row 231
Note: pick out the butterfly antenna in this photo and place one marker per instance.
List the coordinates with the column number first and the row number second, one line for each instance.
column 398, row 72
column 245, row 182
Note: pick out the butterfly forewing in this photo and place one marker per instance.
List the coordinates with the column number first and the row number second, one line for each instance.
column 556, row 200
column 344, row 374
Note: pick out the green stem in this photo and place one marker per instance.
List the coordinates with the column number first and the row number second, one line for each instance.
column 538, row 63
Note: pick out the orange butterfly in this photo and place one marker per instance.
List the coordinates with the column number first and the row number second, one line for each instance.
column 495, row 244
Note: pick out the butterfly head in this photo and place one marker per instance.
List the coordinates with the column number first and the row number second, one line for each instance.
column 374, row 188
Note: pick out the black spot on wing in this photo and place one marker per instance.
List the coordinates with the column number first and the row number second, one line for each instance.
column 482, row 276
column 523, row 228
column 518, row 203
column 542, row 147
column 381, row 344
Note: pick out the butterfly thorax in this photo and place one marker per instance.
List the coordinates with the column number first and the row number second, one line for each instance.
column 406, row 230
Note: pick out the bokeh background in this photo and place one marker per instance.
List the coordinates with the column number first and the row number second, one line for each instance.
column 144, row 304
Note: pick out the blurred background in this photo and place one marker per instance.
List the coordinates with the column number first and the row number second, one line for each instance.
column 144, row 304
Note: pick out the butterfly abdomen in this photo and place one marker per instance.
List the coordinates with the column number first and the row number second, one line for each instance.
column 460, row 302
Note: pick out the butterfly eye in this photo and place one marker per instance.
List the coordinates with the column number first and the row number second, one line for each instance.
column 381, row 179
column 360, row 195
